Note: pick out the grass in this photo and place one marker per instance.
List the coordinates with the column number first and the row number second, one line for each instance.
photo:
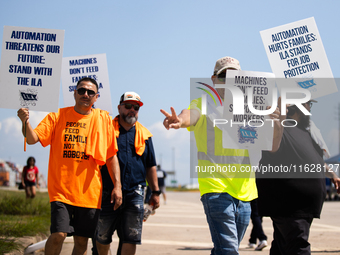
column 22, row 217
column 26, row 217
column 8, row 245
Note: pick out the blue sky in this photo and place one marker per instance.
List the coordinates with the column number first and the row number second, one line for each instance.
column 155, row 47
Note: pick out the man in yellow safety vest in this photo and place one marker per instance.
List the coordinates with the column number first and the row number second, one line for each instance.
column 225, row 196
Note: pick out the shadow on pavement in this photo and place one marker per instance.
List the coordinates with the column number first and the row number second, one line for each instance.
column 337, row 252
column 194, row 249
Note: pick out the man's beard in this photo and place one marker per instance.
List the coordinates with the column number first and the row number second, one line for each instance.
column 304, row 121
column 129, row 119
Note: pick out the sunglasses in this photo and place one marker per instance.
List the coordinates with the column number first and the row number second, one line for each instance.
column 129, row 106
column 221, row 76
column 309, row 103
column 90, row 93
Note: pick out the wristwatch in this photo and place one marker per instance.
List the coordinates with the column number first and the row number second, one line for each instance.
column 157, row 192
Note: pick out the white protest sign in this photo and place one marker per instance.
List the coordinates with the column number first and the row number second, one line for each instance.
column 247, row 130
column 295, row 51
column 30, row 68
column 93, row 66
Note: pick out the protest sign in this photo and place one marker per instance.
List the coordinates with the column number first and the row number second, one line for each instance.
column 295, row 51
column 30, row 68
column 248, row 130
column 93, row 66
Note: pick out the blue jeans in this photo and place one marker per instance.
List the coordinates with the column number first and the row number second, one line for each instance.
column 127, row 219
column 228, row 219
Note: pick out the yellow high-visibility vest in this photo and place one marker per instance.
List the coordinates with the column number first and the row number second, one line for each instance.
column 219, row 169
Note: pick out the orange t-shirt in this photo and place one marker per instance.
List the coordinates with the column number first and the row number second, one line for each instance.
column 74, row 177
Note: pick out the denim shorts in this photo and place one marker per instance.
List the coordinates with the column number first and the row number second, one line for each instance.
column 127, row 219
column 228, row 219
column 73, row 220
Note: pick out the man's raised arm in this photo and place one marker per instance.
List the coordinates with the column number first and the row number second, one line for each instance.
column 31, row 136
column 185, row 119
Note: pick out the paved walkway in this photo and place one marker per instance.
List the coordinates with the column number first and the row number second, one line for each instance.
column 180, row 228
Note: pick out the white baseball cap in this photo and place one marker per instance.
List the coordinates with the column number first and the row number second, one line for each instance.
column 130, row 96
column 226, row 63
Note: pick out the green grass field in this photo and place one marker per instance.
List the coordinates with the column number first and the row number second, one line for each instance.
column 22, row 217
column 26, row 217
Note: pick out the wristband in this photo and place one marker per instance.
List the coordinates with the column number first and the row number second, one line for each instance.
column 157, row 192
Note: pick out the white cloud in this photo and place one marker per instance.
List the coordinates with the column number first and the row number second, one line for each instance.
column 172, row 149
column 174, row 136
column 36, row 117
column 12, row 126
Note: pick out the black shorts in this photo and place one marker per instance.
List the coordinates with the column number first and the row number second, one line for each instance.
column 73, row 220
column 29, row 184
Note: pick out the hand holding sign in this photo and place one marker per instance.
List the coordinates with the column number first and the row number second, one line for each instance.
column 23, row 114
column 27, row 130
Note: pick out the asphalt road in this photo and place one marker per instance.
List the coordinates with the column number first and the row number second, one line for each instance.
column 180, row 228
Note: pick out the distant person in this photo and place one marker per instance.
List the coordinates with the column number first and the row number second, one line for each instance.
column 161, row 175
column 81, row 139
column 30, row 178
column 137, row 163
column 257, row 232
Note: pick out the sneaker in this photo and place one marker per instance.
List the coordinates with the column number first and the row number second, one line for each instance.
column 251, row 245
column 261, row 245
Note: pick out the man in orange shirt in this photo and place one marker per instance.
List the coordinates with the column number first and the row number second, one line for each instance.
column 82, row 138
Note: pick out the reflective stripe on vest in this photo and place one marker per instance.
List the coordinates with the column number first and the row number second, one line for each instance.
column 210, row 156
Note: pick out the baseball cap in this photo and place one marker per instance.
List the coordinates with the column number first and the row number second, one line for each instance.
column 226, row 63
column 130, row 96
